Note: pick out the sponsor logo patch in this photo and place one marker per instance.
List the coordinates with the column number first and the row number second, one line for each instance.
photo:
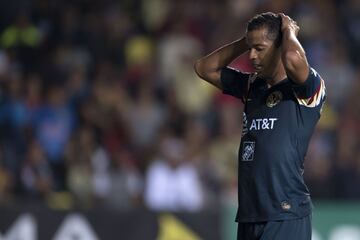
column 262, row 123
column 248, row 151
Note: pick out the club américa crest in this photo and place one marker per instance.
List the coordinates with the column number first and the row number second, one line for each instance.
column 274, row 98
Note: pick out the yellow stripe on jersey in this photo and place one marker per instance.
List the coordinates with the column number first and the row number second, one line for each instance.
column 315, row 99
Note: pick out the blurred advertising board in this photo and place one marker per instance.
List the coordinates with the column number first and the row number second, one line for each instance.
column 43, row 224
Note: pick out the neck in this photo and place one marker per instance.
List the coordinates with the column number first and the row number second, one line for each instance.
column 277, row 75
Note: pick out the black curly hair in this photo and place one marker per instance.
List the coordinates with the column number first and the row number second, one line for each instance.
column 269, row 20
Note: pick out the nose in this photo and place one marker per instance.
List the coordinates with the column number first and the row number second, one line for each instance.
column 252, row 54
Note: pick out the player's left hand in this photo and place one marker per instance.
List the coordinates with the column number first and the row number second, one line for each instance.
column 288, row 23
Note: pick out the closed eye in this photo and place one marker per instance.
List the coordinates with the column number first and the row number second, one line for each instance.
column 258, row 49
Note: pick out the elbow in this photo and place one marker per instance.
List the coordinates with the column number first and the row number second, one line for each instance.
column 206, row 73
column 199, row 69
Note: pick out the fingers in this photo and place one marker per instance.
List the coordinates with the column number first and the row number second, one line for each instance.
column 288, row 22
column 282, row 15
column 287, row 19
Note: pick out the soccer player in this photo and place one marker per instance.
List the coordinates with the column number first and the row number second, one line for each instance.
column 283, row 101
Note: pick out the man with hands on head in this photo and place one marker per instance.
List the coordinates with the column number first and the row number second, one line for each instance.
column 283, row 100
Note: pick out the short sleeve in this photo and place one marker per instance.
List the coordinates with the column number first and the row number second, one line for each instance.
column 234, row 82
column 312, row 92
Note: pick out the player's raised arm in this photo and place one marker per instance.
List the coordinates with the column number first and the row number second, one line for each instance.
column 292, row 53
column 209, row 67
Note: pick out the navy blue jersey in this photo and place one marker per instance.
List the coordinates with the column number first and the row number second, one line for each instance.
column 278, row 123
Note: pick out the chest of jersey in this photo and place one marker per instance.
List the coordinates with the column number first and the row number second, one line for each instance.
column 265, row 107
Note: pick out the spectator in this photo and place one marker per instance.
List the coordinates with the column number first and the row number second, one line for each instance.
column 54, row 124
column 126, row 182
column 172, row 183
column 36, row 176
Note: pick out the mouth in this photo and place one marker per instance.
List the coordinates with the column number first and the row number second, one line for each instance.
column 257, row 67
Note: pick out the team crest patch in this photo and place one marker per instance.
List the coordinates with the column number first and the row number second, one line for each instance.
column 248, row 151
column 274, row 98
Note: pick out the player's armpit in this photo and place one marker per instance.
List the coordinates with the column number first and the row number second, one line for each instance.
column 234, row 82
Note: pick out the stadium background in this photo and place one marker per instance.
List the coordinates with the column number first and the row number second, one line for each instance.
column 102, row 116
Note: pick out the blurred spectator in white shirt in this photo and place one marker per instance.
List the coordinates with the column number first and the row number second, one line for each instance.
column 172, row 183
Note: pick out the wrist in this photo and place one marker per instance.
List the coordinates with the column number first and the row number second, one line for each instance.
column 288, row 33
column 286, row 30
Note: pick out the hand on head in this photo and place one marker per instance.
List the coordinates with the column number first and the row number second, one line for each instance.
column 288, row 23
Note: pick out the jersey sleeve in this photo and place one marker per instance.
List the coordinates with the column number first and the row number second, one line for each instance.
column 234, row 82
column 312, row 92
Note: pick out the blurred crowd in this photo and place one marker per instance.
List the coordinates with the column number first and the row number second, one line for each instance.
column 99, row 103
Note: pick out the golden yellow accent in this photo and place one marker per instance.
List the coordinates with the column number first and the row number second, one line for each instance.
column 315, row 99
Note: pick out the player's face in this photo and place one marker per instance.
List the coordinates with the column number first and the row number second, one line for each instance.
column 264, row 55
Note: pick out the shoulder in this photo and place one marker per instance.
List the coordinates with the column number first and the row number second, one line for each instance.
column 312, row 92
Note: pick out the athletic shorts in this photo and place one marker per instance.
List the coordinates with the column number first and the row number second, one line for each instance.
column 297, row 229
